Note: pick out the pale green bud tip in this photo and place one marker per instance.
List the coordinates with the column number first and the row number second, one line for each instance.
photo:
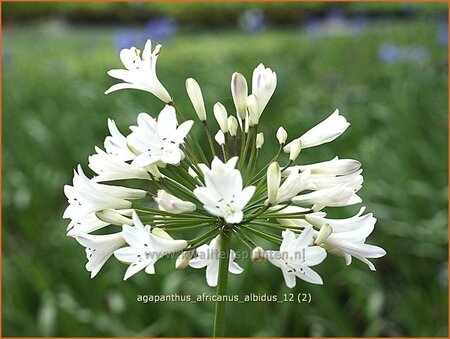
column 258, row 254
column 183, row 260
column 324, row 233
column 273, row 182
column 296, row 147
column 281, row 135
column 232, row 125
column 159, row 232
column 113, row 217
column 220, row 113
column 253, row 109
column 259, row 140
column 195, row 94
column 220, row 138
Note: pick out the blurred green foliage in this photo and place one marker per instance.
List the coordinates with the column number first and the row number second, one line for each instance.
column 213, row 14
column 54, row 112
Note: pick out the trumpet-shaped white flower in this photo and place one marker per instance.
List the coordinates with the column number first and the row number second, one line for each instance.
column 116, row 143
column 334, row 166
column 99, row 248
column 145, row 248
column 294, row 184
column 170, row 203
column 109, row 167
column 333, row 197
column 208, row 256
column 223, row 195
column 158, row 141
column 139, row 73
column 353, row 180
column 86, row 196
column 348, row 237
column 86, row 224
column 264, row 82
column 296, row 256
column 324, row 132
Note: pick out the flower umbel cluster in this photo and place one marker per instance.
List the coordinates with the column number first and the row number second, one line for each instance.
column 189, row 199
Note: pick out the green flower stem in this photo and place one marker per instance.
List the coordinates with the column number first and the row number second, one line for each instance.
column 158, row 214
column 251, row 165
column 276, row 226
column 219, row 317
column 274, row 239
column 262, row 172
column 186, row 228
column 210, row 140
column 245, row 145
column 249, row 242
column 205, row 236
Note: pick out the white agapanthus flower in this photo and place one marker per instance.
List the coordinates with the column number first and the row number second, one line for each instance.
column 145, row 248
column 326, row 131
column 170, row 203
column 219, row 196
column 158, row 141
column 116, row 143
column 87, row 196
column 296, row 256
column 99, row 248
column 348, row 236
column 208, row 256
column 223, row 195
column 139, row 73
column 109, row 167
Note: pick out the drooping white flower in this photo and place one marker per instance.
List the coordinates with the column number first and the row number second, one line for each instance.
column 348, row 237
column 223, row 195
column 139, row 73
column 196, row 96
column 109, row 167
column 324, row 132
column 208, row 256
column 170, row 203
column 158, row 141
column 294, row 184
column 334, row 197
column 86, row 196
column 220, row 113
column 353, row 180
column 99, row 248
column 264, row 82
column 296, row 256
column 145, row 248
column 334, row 166
column 239, row 92
column 116, row 143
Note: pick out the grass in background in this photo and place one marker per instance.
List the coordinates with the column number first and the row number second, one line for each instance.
column 54, row 112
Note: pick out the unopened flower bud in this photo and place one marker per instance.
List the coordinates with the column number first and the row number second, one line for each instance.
column 259, row 140
column 253, row 109
column 296, row 147
column 220, row 113
column 232, row 125
column 159, row 232
column 113, row 217
column 273, row 182
column 258, row 254
column 281, row 135
column 239, row 92
column 324, row 233
column 220, row 137
column 183, row 260
column 153, row 169
column 170, row 203
column 195, row 94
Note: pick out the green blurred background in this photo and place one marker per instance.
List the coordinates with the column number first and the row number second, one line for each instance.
column 384, row 65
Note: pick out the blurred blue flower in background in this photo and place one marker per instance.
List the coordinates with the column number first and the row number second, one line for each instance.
column 333, row 24
column 390, row 53
column 159, row 29
column 443, row 34
column 253, row 21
